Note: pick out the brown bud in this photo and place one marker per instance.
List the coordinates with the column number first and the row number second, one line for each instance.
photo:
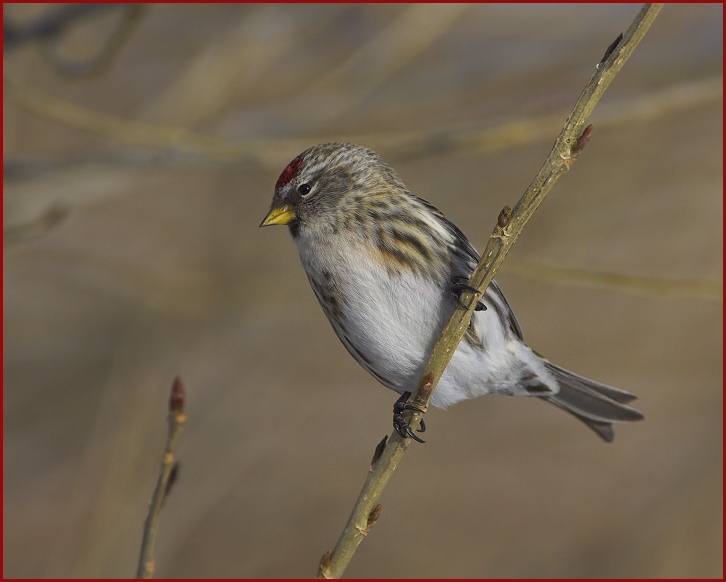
column 611, row 48
column 324, row 564
column 176, row 402
column 504, row 216
column 582, row 140
column 379, row 450
column 374, row 515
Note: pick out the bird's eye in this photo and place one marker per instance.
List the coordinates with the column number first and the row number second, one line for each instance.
column 304, row 189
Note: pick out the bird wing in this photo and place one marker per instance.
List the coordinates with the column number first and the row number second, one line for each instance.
column 464, row 259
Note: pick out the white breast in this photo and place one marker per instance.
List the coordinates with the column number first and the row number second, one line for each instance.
column 389, row 323
column 389, row 319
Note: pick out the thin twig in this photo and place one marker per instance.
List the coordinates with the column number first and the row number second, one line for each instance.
column 570, row 142
column 167, row 476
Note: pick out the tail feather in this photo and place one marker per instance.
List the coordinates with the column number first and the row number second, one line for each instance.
column 603, row 429
column 595, row 404
column 571, row 378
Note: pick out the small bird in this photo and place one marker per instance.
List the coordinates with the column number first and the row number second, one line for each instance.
column 388, row 268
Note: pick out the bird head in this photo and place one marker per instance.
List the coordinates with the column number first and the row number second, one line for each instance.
column 326, row 186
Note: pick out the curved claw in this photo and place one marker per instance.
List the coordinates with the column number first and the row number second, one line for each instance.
column 458, row 285
column 401, row 426
column 405, row 431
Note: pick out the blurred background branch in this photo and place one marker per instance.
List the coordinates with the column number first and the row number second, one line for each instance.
column 617, row 281
column 48, row 27
column 415, row 29
column 402, row 145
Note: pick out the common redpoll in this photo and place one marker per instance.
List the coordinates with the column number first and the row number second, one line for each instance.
column 387, row 267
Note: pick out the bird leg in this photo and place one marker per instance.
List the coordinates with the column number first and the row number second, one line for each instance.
column 401, row 426
column 458, row 285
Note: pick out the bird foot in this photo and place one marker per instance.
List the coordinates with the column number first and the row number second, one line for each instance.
column 458, row 284
column 401, row 426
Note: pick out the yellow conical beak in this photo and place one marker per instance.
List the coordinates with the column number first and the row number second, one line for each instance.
column 283, row 214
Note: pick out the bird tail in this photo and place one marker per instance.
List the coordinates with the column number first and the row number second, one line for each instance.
column 595, row 404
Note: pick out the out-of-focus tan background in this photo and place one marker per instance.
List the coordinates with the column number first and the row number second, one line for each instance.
column 141, row 149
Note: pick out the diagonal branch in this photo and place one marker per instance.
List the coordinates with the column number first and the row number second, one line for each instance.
column 569, row 144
